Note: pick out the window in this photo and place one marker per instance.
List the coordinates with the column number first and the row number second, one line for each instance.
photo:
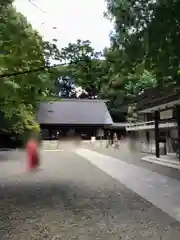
column 149, row 117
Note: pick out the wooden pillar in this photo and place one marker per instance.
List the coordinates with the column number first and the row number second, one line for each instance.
column 156, row 119
column 178, row 125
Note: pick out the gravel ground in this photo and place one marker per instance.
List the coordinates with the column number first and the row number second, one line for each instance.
column 68, row 198
column 12, row 163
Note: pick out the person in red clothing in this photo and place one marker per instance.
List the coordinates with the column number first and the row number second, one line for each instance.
column 32, row 153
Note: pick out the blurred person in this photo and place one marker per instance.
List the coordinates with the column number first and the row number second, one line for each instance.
column 115, row 141
column 108, row 141
column 78, row 139
column 58, row 139
column 32, row 153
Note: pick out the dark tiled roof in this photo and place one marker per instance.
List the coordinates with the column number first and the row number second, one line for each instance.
column 74, row 111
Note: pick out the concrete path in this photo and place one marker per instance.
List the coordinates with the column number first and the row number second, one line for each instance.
column 168, row 161
column 160, row 190
column 69, row 198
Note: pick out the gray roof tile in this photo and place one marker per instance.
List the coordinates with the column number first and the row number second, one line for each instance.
column 74, row 111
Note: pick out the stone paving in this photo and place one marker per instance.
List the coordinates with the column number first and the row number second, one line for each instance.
column 69, row 198
column 134, row 157
column 162, row 191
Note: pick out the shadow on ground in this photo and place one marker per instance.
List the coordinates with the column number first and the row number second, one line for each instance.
column 48, row 209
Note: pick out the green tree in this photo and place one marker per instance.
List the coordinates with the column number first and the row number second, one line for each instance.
column 143, row 32
column 135, row 53
column 22, row 49
column 83, row 66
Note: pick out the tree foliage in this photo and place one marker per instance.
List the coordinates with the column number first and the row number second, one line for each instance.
column 104, row 75
column 148, row 32
column 21, row 49
column 84, row 66
column 144, row 53
column 144, row 44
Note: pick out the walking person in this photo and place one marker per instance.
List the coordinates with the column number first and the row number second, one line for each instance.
column 115, row 141
column 32, row 153
column 108, row 142
column 58, row 139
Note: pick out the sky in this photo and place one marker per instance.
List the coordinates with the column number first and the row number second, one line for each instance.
column 73, row 19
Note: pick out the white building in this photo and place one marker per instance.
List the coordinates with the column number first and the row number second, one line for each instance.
column 159, row 120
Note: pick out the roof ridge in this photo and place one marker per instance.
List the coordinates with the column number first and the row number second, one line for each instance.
column 75, row 100
column 81, row 99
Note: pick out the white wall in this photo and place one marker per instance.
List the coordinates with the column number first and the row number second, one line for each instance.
column 142, row 144
column 173, row 133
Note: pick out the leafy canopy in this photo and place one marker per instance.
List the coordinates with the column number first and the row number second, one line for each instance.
column 22, row 49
